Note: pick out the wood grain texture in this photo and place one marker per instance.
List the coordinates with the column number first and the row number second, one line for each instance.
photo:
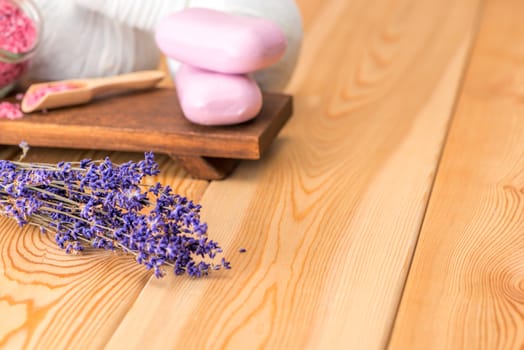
column 148, row 121
column 50, row 300
column 331, row 215
column 466, row 286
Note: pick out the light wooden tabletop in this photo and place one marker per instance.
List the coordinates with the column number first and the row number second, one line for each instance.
column 389, row 213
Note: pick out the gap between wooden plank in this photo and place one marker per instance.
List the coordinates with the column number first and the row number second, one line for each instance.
column 465, row 288
column 450, row 123
column 314, row 277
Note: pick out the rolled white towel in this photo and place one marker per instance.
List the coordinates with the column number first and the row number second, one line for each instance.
column 80, row 43
column 90, row 38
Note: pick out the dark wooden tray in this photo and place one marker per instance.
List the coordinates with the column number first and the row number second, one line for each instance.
column 153, row 121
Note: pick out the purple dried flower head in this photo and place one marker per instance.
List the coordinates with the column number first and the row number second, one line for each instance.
column 106, row 206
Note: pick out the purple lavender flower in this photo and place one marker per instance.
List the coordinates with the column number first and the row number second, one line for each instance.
column 106, row 206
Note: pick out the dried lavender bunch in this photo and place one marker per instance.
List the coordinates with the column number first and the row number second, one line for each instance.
column 107, row 206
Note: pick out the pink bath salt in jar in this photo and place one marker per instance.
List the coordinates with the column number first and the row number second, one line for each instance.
column 20, row 31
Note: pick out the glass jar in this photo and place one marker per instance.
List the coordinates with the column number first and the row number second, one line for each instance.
column 20, row 34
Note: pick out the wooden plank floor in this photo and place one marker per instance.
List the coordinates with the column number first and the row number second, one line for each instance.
column 466, row 286
column 343, row 251
column 330, row 218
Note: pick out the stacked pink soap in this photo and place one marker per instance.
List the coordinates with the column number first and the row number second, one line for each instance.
column 17, row 35
column 218, row 51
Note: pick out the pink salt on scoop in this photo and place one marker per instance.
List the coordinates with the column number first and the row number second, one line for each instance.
column 13, row 111
column 17, row 35
column 10, row 110
column 34, row 97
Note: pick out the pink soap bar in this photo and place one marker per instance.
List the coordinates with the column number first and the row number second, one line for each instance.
column 220, row 42
column 211, row 98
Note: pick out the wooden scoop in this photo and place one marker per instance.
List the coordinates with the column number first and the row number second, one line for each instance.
column 82, row 91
